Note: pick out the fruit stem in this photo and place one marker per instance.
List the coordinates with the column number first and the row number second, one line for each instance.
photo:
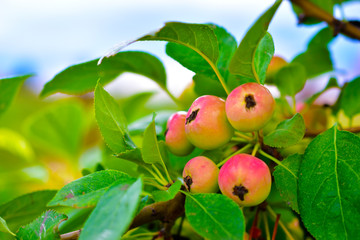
column 266, row 223
column 159, row 174
column 275, row 226
column 154, row 175
column 216, row 70
column 276, row 161
column 155, row 185
column 274, row 215
column 254, row 223
column 255, row 149
column 241, row 150
column 244, row 136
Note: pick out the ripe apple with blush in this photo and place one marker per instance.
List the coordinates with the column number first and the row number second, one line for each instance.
column 245, row 179
column 249, row 107
column 206, row 124
column 175, row 138
column 201, row 175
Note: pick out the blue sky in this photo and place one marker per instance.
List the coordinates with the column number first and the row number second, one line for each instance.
column 44, row 37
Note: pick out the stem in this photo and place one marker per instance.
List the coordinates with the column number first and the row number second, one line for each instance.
column 255, row 149
column 222, row 81
column 159, row 174
column 274, row 215
column 166, row 172
column 241, row 150
column 254, row 223
column 155, row 185
column 244, row 136
column 311, row 10
column 266, row 223
column 180, row 226
column 275, row 226
column 276, row 161
column 239, row 139
column 155, row 176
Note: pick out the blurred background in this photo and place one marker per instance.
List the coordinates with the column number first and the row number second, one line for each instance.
column 45, row 37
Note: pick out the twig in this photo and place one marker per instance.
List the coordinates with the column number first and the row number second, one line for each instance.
column 276, row 226
column 311, row 10
column 167, row 212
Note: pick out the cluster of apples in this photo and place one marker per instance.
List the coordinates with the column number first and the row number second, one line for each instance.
column 209, row 124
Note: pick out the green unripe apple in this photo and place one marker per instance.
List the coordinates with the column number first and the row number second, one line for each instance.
column 206, row 124
column 201, row 175
column 175, row 138
column 249, row 107
column 245, row 179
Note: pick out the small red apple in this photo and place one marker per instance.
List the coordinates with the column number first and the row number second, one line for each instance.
column 245, row 179
column 249, row 107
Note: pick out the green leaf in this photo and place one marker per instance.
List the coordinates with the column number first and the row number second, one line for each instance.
column 15, row 149
column 114, row 212
column 205, row 85
column 24, row 209
column 317, row 59
column 162, row 196
column 290, row 79
column 4, row 227
column 45, row 227
column 263, row 55
column 209, row 215
column 243, row 62
column 329, row 186
column 198, row 37
column 350, row 98
column 286, row 182
column 9, row 87
column 196, row 63
column 189, row 59
column 82, row 78
column 59, row 127
column 112, row 122
column 150, row 147
column 138, row 127
column 86, row 191
column 322, row 39
column 287, row 133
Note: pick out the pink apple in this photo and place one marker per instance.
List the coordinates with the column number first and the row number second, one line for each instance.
column 201, row 175
column 249, row 107
column 175, row 137
column 245, row 179
column 206, row 124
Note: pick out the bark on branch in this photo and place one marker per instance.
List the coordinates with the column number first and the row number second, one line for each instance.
column 166, row 212
column 311, row 10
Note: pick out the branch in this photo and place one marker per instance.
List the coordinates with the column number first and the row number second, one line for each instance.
column 167, row 212
column 311, row 10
